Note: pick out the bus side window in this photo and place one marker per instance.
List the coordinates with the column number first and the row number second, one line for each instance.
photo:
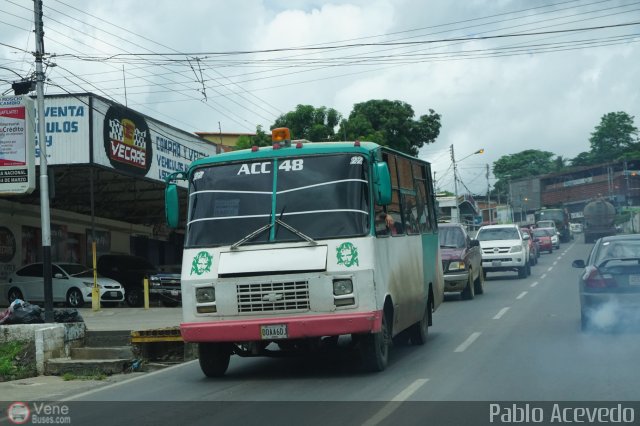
column 410, row 214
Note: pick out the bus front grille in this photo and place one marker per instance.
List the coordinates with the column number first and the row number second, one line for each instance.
column 273, row 296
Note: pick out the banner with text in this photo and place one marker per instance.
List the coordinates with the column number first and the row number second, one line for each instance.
column 17, row 161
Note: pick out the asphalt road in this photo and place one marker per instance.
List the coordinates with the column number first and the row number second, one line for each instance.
column 520, row 342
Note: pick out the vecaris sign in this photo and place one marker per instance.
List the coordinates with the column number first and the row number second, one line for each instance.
column 127, row 141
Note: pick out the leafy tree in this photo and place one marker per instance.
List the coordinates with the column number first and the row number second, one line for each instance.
column 582, row 159
column 391, row 123
column 260, row 139
column 531, row 162
column 613, row 137
column 307, row 122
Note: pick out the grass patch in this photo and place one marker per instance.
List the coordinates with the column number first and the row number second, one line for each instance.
column 84, row 376
column 17, row 360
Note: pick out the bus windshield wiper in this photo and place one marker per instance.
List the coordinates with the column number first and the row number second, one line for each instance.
column 251, row 236
column 298, row 233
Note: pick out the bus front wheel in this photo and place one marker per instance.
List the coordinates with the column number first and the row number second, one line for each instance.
column 374, row 347
column 214, row 358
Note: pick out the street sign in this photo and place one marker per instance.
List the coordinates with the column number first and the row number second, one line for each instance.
column 17, row 145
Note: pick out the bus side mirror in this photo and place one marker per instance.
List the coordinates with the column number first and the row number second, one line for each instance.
column 381, row 184
column 172, row 205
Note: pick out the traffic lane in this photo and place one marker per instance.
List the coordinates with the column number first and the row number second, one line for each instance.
column 536, row 351
column 326, row 376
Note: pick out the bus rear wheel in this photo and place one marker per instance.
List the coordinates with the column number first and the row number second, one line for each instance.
column 420, row 330
column 375, row 347
column 214, row 358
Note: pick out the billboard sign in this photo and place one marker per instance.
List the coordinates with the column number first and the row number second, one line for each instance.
column 17, row 156
column 137, row 145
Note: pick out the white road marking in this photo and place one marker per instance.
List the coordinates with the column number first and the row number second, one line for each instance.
column 501, row 313
column 141, row 377
column 550, row 268
column 534, row 284
column 542, row 276
column 555, row 263
column 523, row 294
column 463, row 347
column 392, row 406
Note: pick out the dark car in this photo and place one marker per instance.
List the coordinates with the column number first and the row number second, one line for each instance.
column 610, row 283
column 543, row 238
column 461, row 261
column 130, row 271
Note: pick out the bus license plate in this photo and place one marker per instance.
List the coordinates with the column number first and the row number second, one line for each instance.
column 274, row 331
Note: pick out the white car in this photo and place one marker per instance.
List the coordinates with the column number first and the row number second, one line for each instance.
column 504, row 248
column 72, row 284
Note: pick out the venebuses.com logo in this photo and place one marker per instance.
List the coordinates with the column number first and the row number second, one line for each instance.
column 20, row 413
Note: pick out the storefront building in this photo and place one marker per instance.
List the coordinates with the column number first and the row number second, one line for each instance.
column 106, row 165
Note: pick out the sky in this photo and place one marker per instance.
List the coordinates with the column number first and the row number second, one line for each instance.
column 505, row 75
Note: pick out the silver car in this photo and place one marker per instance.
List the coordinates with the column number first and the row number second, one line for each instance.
column 72, row 284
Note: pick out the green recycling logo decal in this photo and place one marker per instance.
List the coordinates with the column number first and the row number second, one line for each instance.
column 201, row 263
column 347, row 254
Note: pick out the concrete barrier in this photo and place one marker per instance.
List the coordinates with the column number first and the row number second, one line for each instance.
column 52, row 340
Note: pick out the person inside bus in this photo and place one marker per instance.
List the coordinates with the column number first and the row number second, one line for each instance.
column 386, row 224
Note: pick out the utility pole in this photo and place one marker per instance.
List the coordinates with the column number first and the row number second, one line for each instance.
column 44, row 178
column 488, row 195
column 455, row 185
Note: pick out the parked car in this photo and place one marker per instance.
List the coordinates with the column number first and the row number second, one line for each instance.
column 131, row 272
column 543, row 238
column 609, row 286
column 72, row 284
column 461, row 261
column 534, row 252
column 504, row 248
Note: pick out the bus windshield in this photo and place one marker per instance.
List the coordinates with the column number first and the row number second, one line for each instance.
column 319, row 196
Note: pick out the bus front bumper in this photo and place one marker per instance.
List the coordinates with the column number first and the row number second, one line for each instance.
column 298, row 327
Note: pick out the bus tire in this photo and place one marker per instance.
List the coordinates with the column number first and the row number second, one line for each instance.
column 420, row 330
column 214, row 358
column 375, row 347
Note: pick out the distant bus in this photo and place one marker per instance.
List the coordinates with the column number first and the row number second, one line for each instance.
column 288, row 247
column 561, row 219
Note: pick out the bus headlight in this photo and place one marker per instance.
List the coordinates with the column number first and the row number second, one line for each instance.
column 342, row 287
column 205, row 295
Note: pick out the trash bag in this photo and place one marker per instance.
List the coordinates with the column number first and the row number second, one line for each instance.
column 67, row 315
column 24, row 313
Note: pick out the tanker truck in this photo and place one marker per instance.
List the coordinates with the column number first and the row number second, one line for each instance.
column 599, row 216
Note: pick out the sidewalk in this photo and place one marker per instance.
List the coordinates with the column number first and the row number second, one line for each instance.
column 132, row 319
column 53, row 388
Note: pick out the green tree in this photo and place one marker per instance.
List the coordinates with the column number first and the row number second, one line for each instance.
column 307, row 122
column 613, row 137
column 391, row 123
column 531, row 162
column 260, row 139
column 582, row 159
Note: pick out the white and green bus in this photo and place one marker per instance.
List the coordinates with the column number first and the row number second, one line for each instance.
column 300, row 243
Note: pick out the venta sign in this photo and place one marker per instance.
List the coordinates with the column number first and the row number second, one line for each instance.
column 127, row 141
